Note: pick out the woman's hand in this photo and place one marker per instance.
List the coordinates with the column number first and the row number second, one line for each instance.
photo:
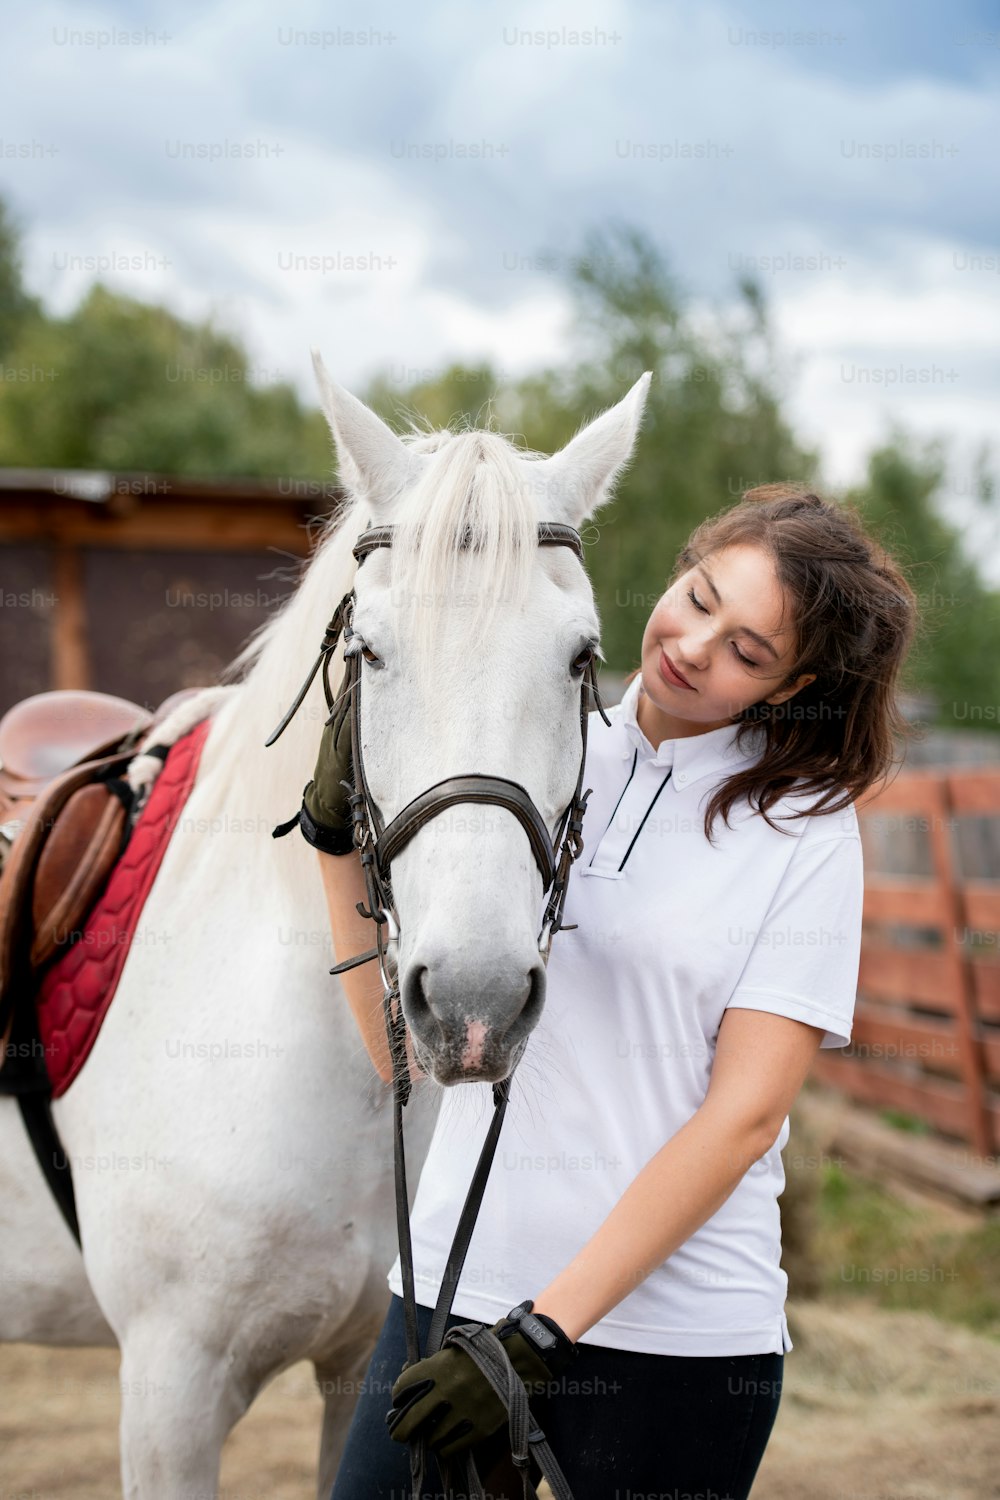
column 450, row 1398
column 327, row 819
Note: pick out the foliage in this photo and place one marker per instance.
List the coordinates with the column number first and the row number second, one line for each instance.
column 713, row 425
column 714, row 428
column 17, row 309
column 122, row 385
column 900, row 1120
column 954, row 657
column 872, row 1244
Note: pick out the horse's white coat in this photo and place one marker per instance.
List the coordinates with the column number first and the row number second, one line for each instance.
column 229, row 1138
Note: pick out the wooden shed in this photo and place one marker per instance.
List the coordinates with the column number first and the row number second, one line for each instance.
column 141, row 584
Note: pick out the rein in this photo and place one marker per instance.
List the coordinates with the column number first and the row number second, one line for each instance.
column 378, row 844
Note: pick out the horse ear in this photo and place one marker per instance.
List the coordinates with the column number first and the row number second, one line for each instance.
column 370, row 457
column 581, row 476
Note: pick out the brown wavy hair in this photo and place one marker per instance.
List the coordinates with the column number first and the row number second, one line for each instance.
column 853, row 616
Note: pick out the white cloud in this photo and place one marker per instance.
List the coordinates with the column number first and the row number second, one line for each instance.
column 570, row 118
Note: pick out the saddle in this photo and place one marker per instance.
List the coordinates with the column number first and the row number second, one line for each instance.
column 64, row 821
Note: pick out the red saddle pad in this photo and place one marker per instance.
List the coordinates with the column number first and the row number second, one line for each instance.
column 77, row 990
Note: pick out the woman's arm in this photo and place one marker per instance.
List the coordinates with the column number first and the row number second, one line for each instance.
column 344, row 884
column 760, row 1065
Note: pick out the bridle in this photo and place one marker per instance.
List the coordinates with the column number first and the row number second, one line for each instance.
column 378, row 844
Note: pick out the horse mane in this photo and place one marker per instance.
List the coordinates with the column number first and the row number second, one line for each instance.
column 476, row 486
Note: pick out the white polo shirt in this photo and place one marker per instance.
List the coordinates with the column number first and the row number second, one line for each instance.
column 671, row 932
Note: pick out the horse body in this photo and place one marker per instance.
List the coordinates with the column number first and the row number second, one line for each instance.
column 230, row 1147
column 229, row 1139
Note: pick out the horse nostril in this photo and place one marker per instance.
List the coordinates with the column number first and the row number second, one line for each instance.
column 524, row 1020
column 415, row 1003
column 536, row 997
column 474, row 1025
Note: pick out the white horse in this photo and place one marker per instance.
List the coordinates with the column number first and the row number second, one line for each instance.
column 229, row 1138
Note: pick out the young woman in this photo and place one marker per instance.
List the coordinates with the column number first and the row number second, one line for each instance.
column 633, row 1200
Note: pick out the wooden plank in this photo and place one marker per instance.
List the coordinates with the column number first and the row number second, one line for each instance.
column 981, row 903
column 186, row 528
column 917, row 1041
column 986, row 988
column 942, row 1167
column 975, row 793
column 915, row 903
column 908, row 974
column 991, row 1057
column 980, row 1126
column 912, row 792
column 70, row 656
column 943, row 1105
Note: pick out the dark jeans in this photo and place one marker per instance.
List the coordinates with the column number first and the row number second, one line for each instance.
column 627, row 1426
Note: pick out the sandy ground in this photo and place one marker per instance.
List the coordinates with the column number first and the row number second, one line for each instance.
column 876, row 1406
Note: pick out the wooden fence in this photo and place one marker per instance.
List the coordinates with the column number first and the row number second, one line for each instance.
column 926, row 1038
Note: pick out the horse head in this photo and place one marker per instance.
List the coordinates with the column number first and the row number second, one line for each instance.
column 474, row 641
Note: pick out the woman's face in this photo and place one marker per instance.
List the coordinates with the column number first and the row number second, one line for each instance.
column 720, row 626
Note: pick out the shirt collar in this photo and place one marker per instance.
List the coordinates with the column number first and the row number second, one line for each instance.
column 691, row 757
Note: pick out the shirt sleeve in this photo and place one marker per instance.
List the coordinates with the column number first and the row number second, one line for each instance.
column 804, row 960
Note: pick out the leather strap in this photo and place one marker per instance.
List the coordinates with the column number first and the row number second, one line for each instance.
column 526, row 1437
column 378, row 845
column 473, row 788
column 331, row 636
column 467, row 1221
column 550, row 533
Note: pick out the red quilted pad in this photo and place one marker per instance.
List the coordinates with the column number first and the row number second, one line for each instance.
column 76, row 991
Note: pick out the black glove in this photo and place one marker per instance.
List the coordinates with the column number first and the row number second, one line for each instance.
column 326, row 818
column 452, row 1400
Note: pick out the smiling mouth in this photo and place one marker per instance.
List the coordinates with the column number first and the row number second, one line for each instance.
column 670, row 673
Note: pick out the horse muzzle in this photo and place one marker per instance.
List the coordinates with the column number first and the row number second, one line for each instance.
column 470, row 1027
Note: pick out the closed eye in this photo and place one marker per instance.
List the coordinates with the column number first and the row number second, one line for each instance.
column 746, row 660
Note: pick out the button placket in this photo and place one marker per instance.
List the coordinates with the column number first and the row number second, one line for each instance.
column 646, row 782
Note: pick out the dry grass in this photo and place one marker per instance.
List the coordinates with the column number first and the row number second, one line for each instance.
column 877, row 1405
column 892, row 1391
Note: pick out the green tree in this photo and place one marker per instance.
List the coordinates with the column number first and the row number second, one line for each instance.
column 17, row 308
column 715, row 427
column 954, row 657
column 462, row 395
column 123, row 385
column 713, row 423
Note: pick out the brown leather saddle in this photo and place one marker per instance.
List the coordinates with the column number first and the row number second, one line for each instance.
column 64, row 820
column 66, row 814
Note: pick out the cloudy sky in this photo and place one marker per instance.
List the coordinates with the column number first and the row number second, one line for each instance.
column 242, row 159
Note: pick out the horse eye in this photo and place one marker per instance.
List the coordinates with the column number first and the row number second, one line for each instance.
column 370, row 656
column 582, row 662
